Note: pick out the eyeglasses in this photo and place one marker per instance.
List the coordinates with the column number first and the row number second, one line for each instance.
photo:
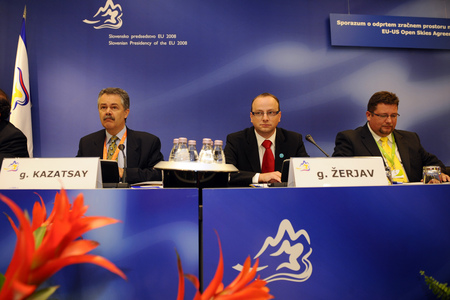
column 385, row 116
column 260, row 114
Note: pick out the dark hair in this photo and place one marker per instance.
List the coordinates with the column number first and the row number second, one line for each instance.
column 382, row 97
column 116, row 91
column 265, row 95
column 5, row 106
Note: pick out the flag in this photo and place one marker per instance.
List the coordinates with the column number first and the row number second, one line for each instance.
column 20, row 99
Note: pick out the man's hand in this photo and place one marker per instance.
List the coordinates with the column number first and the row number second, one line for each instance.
column 445, row 178
column 120, row 172
column 270, row 177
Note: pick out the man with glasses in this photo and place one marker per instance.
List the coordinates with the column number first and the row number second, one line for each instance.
column 401, row 150
column 259, row 151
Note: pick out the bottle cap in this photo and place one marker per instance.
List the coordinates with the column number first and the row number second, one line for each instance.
column 182, row 140
column 192, row 142
column 218, row 142
column 175, row 141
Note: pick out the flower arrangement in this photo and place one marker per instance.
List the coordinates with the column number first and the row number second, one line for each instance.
column 46, row 245
column 241, row 288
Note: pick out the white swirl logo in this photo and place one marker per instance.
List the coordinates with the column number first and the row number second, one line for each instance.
column 293, row 252
column 109, row 16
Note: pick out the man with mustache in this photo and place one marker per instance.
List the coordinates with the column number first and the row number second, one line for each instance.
column 405, row 155
column 143, row 150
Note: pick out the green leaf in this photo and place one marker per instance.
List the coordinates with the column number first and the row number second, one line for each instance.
column 44, row 293
column 441, row 290
column 2, row 280
column 39, row 235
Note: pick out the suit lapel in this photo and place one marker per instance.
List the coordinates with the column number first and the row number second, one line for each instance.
column 99, row 143
column 251, row 150
column 280, row 149
column 132, row 149
column 403, row 150
column 369, row 142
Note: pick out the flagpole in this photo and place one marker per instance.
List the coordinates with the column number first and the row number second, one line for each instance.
column 20, row 99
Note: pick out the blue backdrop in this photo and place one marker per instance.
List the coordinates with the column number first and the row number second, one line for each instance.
column 224, row 54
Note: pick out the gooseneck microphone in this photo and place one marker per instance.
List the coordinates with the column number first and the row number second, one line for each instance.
column 309, row 138
column 124, row 183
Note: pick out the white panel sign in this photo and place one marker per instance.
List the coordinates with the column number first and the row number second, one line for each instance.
column 51, row 173
column 336, row 171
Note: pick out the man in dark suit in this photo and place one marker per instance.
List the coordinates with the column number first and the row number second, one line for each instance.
column 407, row 157
column 13, row 143
column 245, row 150
column 143, row 150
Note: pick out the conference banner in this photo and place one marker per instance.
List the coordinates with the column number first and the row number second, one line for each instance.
column 389, row 31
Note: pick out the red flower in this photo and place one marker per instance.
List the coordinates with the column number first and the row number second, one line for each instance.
column 242, row 288
column 46, row 245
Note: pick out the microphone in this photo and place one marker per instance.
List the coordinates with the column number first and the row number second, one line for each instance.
column 124, row 183
column 309, row 138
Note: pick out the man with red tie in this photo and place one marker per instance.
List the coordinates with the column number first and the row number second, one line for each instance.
column 259, row 151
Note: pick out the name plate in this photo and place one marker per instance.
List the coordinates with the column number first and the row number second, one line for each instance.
column 51, row 173
column 336, row 171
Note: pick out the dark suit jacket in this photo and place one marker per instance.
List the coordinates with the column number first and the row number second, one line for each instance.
column 241, row 150
column 143, row 153
column 13, row 143
column 360, row 142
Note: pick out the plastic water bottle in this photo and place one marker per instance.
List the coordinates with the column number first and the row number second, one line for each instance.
column 182, row 153
column 219, row 156
column 174, row 150
column 192, row 147
column 206, row 154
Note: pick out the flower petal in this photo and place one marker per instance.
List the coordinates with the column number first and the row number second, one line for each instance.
column 21, row 260
column 51, row 267
column 211, row 290
column 39, row 214
column 79, row 247
column 180, row 295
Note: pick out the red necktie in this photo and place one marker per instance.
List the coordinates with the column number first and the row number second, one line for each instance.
column 268, row 164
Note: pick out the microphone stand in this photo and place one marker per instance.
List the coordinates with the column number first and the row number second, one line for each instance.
column 311, row 140
column 124, row 184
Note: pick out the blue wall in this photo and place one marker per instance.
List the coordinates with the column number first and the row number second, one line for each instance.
column 235, row 50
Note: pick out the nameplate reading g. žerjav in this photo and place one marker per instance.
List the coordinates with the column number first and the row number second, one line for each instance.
column 50, row 173
column 336, row 171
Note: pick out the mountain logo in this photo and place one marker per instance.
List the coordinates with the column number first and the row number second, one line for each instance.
column 304, row 166
column 108, row 16
column 13, row 167
column 285, row 256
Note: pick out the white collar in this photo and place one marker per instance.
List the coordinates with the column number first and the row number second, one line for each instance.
column 260, row 139
column 119, row 135
column 376, row 136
